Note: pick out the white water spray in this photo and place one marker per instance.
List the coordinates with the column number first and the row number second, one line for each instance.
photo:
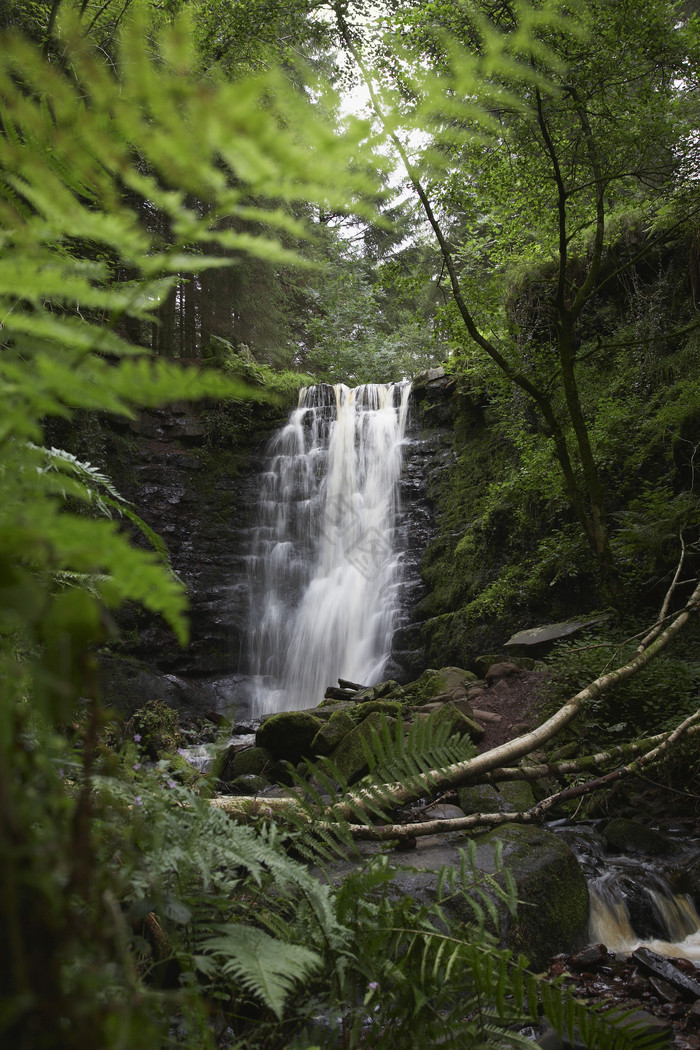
column 325, row 569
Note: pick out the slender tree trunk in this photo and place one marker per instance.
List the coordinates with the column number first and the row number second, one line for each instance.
column 594, row 517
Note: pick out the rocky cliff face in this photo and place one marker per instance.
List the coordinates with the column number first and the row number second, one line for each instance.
column 201, row 500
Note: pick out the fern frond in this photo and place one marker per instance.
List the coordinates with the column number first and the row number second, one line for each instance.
column 266, row 967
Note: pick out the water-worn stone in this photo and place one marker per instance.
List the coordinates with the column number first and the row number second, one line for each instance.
column 551, row 886
column 664, row 968
column 629, row 836
column 483, row 798
column 518, row 794
column 592, row 956
column 289, row 734
column 502, row 669
column 240, row 762
column 482, row 663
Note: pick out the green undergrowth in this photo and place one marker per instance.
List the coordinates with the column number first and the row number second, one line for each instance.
column 654, row 700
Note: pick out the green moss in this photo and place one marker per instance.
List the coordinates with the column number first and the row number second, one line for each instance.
column 384, row 707
column 156, row 728
column 329, row 735
column 289, row 735
column 349, row 756
column 552, row 892
column 244, row 762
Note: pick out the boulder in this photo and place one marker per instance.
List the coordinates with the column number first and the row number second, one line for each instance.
column 349, row 756
column 329, row 735
column 249, row 784
column 459, row 723
column 434, row 683
column 538, row 641
column 629, row 836
column 502, row 669
column 552, row 914
column 289, row 734
column 518, row 794
column 552, row 893
column 384, row 707
column 483, row 798
column 247, row 761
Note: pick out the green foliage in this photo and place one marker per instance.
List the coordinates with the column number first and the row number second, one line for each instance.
column 88, row 148
column 656, row 699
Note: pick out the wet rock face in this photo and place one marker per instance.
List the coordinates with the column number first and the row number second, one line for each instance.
column 200, row 503
column 427, row 453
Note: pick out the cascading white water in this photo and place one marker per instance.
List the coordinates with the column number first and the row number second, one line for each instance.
column 325, row 570
column 610, row 920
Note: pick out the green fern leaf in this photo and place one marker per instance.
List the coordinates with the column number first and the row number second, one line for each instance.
column 267, row 968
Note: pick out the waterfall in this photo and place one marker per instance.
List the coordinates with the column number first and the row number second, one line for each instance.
column 325, row 568
column 670, row 923
column 633, row 898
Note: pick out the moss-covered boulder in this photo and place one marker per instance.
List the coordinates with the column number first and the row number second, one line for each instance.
column 329, row 735
column 483, row 798
column 460, row 724
column 629, row 836
column 376, row 692
column 241, row 762
column 392, row 708
column 249, row 784
column 552, row 913
column 518, row 794
column 438, row 682
column 289, row 735
column 349, row 756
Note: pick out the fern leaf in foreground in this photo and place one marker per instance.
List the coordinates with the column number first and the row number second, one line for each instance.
column 268, row 968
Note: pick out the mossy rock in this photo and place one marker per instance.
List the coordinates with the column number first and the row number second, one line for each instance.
column 459, row 723
column 289, row 735
column 349, row 756
column 329, row 735
column 392, row 708
column 436, row 682
column 629, row 836
column 552, row 912
column 518, row 794
column 483, row 798
column 156, row 728
column 240, row 762
column 185, row 772
column 482, row 663
column 249, row 784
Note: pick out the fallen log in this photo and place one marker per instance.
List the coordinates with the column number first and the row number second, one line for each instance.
column 404, row 832
column 469, row 770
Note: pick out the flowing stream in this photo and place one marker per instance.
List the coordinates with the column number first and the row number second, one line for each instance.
column 325, row 565
column 634, row 901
